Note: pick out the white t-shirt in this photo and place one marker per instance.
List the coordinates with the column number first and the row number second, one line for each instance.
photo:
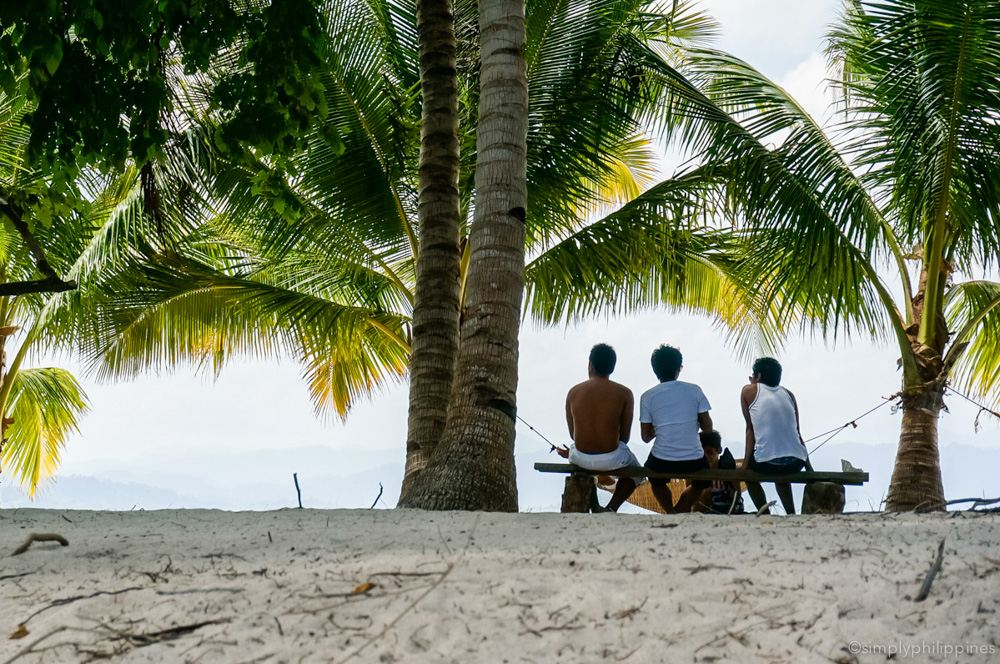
column 672, row 408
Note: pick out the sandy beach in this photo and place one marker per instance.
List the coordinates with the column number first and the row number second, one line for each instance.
column 408, row 586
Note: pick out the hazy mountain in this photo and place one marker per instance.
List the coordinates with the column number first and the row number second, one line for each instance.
column 339, row 478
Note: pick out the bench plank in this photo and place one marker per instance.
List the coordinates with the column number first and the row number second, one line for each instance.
column 802, row 477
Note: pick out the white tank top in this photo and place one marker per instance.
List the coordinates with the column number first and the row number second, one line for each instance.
column 772, row 415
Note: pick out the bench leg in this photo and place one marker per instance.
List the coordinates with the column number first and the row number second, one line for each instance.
column 576, row 494
column 823, row 498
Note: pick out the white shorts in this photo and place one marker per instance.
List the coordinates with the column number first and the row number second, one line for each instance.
column 610, row 461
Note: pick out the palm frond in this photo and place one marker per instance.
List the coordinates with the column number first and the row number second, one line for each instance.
column 922, row 87
column 656, row 251
column 180, row 312
column 973, row 312
column 46, row 405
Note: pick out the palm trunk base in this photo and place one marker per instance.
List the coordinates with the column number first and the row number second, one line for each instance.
column 416, row 461
column 471, row 470
column 916, row 477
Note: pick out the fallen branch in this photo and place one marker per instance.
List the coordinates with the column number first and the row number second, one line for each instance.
column 766, row 507
column 148, row 639
column 199, row 590
column 705, row 568
column 377, row 497
column 976, row 502
column 628, row 613
column 40, row 537
column 405, row 574
column 549, row 628
column 925, row 589
column 76, row 598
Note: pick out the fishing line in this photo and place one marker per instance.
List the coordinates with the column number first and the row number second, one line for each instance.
column 853, row 423
column 552, row 448
column 830, row 434
column 981, row 407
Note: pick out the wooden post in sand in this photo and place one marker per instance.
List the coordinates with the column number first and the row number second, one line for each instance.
column 823, row 498
column 576, row 495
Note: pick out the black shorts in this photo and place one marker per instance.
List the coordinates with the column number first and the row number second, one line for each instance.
column 779, row 466
column 658, row 465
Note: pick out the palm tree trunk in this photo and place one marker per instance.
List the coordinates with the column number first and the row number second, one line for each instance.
column 436, row 300
column 473, row 465
column 916, row 476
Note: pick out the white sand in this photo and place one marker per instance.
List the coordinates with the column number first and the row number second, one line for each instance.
column 456, row 587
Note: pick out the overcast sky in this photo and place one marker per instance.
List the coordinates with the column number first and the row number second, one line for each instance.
column 182, row 440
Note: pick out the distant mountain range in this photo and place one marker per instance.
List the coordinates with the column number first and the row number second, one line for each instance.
column 332, row 478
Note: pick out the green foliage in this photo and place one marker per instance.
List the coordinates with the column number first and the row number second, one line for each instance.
column 913, row 163
column 313, row 255
column 46, row 405
column 95, row 74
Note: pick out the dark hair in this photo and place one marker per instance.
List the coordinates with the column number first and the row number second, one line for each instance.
column 603, row 359
column 711, row 439
column 769, row 370
column 666, row 362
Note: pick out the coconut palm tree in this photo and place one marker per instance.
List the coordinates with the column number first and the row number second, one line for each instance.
column 315, row 257
column 472, row 466
column 89, row 228
column 438, row 263
column 904, row 197
column 41, row 406
column 338, row 225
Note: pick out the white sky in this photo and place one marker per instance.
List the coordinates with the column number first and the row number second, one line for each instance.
column 234, row 443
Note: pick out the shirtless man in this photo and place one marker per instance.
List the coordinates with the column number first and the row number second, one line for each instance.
column 773, row 444
column 599, row 416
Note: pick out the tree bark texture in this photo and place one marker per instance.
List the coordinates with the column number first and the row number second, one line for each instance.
column 436, row 300
column 916, row 476
column 472, row 468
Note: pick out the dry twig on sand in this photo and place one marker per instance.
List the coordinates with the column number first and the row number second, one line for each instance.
column 149, row 638
column 765, row 509
column 705, row 568
column 410, row 607
column 40, row 537
column 76, row 598
column 925, row 589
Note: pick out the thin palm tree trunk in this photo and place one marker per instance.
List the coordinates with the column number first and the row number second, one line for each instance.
column 916, row 476
column 436, row 299
column 473, row 466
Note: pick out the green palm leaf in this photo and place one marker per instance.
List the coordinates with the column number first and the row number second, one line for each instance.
column 181, row 312
column 657, row 250
column 46, row 405
column 974, row 312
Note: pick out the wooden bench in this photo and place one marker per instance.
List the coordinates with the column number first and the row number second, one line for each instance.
column 580, row 481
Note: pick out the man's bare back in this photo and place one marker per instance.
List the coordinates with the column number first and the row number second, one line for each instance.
column 599, row 414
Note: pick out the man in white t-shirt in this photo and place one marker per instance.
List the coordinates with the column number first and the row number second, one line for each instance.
column 672, row 413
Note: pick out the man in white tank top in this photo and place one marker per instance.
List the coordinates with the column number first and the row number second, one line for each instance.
column 773, row 445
